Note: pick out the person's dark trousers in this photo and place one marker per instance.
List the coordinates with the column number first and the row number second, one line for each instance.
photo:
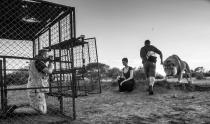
column 121, row 89
column 126, row 86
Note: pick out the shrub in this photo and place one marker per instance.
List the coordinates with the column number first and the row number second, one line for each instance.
column 199, row 76
column 207, row 74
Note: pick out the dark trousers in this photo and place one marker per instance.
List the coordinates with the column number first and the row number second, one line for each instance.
column 126, row 86
column 150, row 69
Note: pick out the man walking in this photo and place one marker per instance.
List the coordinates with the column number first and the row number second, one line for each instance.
column 149, row 59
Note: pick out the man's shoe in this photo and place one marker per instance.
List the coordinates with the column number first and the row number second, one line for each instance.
column 120, row 90
column 151, row 93
column 150, row 90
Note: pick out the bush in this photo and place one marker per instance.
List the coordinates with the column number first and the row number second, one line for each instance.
column 199, row 76
column 113, row 73
column 207, row 74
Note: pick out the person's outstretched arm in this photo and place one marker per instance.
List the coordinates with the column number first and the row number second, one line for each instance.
column 161, row 57
column 160, row 53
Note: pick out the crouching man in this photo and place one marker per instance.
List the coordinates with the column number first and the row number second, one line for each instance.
column 38, row 77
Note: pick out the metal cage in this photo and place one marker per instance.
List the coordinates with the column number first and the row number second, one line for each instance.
column 28, row 26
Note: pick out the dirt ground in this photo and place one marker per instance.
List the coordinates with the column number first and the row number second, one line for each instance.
column 167, row 106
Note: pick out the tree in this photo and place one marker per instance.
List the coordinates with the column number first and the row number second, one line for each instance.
column 198, row 73
column 94, row 68
column 199, row 69
column 207, row 74
column 113, row 73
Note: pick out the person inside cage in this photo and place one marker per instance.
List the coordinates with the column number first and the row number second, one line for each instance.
column 39, row 72
column 126, row 80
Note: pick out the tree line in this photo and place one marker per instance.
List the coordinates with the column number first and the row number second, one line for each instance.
column 93, row 70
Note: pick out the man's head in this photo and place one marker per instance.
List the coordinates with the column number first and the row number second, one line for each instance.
column 125, row 61
column 147, row 42
column 43, row 53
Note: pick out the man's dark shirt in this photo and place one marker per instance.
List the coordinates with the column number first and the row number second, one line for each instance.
column 40, row 65
column 144, row 50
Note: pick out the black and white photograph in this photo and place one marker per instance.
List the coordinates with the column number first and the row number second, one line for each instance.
column 104, row 62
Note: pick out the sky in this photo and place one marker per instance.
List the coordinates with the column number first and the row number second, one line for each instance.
column 180, row 27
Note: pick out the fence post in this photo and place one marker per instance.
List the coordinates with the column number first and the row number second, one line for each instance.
column 99, row 75
column 2, row 88
column 73, row 83
column 60, row 64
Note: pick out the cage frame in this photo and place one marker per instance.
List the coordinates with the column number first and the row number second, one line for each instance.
column 69, row 11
